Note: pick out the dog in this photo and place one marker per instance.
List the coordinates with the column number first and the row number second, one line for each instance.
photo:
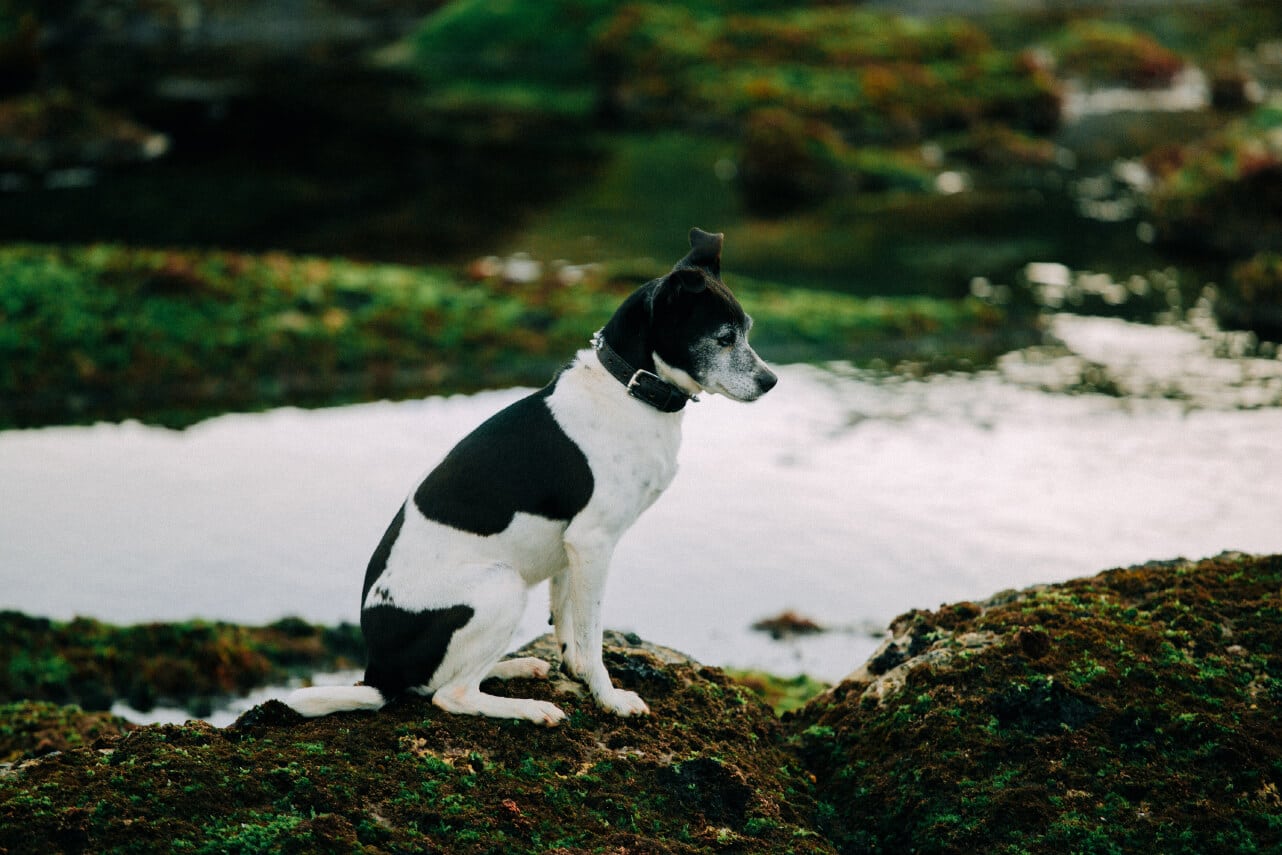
column 544, row 490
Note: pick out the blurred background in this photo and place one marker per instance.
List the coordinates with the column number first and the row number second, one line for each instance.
column 1021, row 261
column 932, row 150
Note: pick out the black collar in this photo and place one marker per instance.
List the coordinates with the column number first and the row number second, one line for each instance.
column 643, row 385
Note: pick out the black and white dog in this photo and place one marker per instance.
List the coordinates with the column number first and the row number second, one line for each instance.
column 544, row 490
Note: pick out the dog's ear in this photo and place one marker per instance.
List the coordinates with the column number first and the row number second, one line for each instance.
column 665, row 290
column 705, row 251
column 690, row 273
column 685, row 279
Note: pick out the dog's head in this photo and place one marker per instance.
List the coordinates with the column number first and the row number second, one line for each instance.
column 692, row 330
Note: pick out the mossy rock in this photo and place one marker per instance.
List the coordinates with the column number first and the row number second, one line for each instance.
column 1251, row 298
column 1109, row 52
column 1133, row 711
column 875, row 77
column 30, row 729
column 172, row 336
column 1136, row 710
column 94, row 664
column 1222, row 193
column 707, row 772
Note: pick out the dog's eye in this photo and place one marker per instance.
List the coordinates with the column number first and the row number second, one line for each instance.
column 726, row 339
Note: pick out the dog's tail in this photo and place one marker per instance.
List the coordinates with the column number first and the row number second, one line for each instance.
column 323, row 700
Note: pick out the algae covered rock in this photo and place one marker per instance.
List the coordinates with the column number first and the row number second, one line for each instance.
column 30, row 729
column 93, row 664
column 1222, row 193
column 1251, row 298
column 1133, row 711
column 707, row 772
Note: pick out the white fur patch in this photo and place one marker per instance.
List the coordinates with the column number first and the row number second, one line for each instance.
column 676, row 376
column 732, row 371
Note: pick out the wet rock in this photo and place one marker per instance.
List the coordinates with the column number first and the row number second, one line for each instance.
column 787, row 625
column 1234, row 88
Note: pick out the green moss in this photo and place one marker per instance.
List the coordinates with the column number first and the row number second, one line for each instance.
column 688, row 779
column 34, row 728
column 1103, row 51
column 509, row 55
column 1131, row 711
column 1099, row 715
column 872, row 75
column 109, row 332
column 783, row 694
column 708, row 64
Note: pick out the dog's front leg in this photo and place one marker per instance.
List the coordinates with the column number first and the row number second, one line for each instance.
column 562, row 624
column 582, row 590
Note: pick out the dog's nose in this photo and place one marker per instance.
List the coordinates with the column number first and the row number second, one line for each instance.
column 766, row 381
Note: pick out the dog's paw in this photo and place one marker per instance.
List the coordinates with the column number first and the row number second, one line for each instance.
column 623, row 702
column 575, row 667
column 545, row 714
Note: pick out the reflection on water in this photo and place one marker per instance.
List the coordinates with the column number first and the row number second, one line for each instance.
column 1109, row 354
column 846, row 496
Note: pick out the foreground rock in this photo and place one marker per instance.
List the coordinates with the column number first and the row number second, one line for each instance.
column 704, row 773
column 1133, row 711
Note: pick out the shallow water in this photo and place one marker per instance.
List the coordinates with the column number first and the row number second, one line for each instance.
column 845, row 496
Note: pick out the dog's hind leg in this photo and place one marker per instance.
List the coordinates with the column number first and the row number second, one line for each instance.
column 499, row 601
column 463, row 699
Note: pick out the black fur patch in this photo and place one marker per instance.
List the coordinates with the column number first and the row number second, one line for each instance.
column 378, row 561
column 405, row 648
column 518, row 461
column 669, row 316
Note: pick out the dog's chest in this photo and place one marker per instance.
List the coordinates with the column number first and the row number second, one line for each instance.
column 630, row 447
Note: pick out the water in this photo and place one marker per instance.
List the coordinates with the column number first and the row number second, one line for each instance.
column 846, row 496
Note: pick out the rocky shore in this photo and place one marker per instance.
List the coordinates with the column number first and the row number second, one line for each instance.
column 1132, row 710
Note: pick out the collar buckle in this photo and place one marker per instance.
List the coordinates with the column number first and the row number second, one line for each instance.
column 645, row 386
